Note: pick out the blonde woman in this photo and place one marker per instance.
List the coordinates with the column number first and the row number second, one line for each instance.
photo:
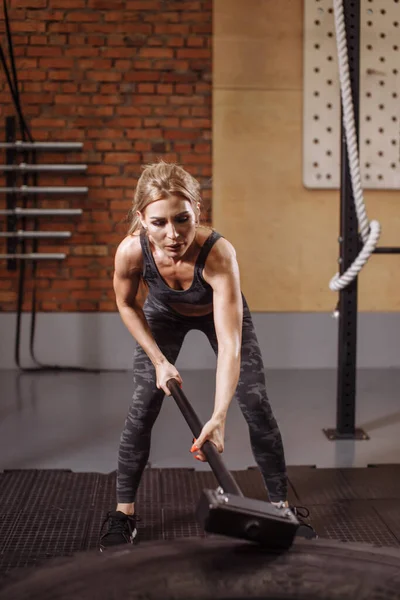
column 192, row 277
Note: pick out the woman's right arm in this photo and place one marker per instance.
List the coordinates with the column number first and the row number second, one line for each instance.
column 127, row 274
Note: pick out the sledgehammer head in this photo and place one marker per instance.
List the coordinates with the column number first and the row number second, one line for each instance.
column 253, row 520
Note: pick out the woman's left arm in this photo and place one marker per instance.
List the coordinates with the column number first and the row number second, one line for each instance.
column 228, row 314
column 222, row 273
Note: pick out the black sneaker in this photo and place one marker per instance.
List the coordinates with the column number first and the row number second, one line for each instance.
column 121, row 529
column 305, row 529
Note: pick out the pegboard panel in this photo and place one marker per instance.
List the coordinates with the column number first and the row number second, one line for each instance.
column 379, row 95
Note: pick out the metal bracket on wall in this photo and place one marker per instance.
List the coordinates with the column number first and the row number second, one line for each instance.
column 14, row 192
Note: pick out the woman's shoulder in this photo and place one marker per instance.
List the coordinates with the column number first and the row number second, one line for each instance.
column 129, row 253
column 204, row 232
column 222, row 253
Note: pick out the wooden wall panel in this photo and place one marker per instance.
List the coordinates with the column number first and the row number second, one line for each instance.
column 285, row 235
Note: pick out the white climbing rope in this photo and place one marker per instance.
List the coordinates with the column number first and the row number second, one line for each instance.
column 369, row 231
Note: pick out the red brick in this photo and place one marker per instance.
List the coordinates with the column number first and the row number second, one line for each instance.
column 109, row 89
column 183, row 88
column 203, row 28
column 68, row 4
column 104, row 111
column 87, row 87
column 90, row 250
column 171, row 28
column 142, row 146
column 95, row 63
column 193, row 53
column 107, row 306
column 171, row 65
column 31, row 75
column 184, row 5
column 71, row 99
column 59, row 75
column 38, row 40
column 49, row 306
column 168, row 16
column 146, row 88
column 145, row 5
column 101, row 227
column 84, row 295
column 146, row 100
column 82, row 17
column 195, row 41
column 28, row 26
column 74, row 284
column 118, row 157
column 179, row 134
column 45, row 15
column 142, row 76
column 48, row 122
column 81, row 51
column 56, row 63
column 97, row 40
column 196, row 123
column 41, row 51
column 69, row 88
column 154, row 134
column 63, row 27
column 103, row 76
column 105, row 99
column 156, row 103
column 122, row 65
column 32, row 3
column 156, row 52
column 20, row 40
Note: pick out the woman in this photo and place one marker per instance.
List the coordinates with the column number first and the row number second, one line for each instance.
column 192, row 277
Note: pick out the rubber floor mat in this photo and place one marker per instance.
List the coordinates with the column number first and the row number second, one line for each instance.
column 45, row 514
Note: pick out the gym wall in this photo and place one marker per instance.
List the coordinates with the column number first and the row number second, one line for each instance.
column 134, row 81
column 131, row 79
column 285, row 235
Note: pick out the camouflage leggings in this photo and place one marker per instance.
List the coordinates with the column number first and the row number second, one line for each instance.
column 169, row 329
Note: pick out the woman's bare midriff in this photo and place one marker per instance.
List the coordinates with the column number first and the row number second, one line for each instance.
column 188, row 310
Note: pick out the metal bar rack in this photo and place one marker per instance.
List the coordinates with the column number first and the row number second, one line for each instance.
column 16, row 210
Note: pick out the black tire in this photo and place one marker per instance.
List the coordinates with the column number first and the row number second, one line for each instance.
column 216, row 568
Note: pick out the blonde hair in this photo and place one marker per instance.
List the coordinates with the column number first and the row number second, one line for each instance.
column 159, row 181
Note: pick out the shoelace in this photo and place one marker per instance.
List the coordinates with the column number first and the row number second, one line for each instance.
column 300, row 511
column 116, row 525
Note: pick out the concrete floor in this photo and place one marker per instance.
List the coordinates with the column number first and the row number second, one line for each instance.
column 74, row 420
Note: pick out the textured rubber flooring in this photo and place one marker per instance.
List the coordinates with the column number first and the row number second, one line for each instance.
column 45, row 514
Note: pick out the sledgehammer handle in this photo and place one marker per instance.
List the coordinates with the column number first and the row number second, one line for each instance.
column 223, row 476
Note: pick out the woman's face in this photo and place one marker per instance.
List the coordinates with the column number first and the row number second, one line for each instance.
column 171, row 225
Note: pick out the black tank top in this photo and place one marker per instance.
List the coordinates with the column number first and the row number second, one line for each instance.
column 200, row 292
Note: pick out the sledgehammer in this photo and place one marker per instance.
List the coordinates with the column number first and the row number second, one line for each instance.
column 226, row 511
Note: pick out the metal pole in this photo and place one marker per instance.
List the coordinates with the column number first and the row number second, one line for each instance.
column 387, row 250
column 36, row 234
column 25, row 168
column 27, row 189
column 223, row 476
column 44, row 146
column 34, row 256
column 42, row 212
column 349, row 249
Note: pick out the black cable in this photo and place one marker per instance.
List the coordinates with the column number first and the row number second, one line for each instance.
column 23, row 126
column 25, row 131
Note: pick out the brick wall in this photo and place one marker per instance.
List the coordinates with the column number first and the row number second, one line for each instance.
column 131, row 80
